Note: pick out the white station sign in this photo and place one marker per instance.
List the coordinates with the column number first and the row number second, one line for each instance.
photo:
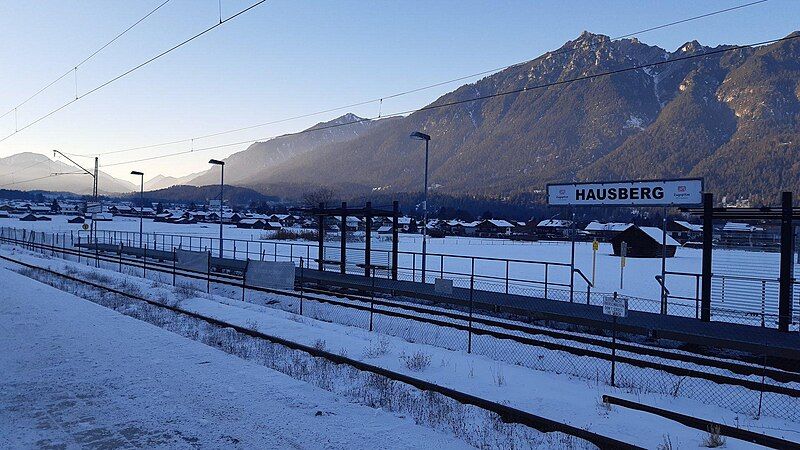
column 628, row 193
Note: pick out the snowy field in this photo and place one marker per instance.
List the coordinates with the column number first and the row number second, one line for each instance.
column 750, row 284
column 573, row 400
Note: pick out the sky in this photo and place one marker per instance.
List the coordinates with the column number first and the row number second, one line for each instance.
column 288, row 58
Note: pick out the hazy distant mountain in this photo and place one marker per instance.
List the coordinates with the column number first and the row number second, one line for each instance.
column 163, row 181
column 253, row 164
column 732, row 118
column 30, row 171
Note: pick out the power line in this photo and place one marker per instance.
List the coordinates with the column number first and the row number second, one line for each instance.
column 415, row 90
column 76, row 66
column 135, row 68
column 40, row 178
column 483, row 97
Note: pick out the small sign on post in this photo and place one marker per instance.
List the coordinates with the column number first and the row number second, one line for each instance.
column 615, row 306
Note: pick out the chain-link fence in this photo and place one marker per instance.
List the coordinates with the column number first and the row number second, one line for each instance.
column 757, row 382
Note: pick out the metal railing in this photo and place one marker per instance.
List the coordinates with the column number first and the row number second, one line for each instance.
column 544, row 279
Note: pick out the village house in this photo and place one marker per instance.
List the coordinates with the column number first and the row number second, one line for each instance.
column 683, row 231
column 605, row 231
column 494, row 227
column 644, row 242
column 554, row 228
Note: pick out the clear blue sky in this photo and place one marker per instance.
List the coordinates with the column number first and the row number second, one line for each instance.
column 286, row 58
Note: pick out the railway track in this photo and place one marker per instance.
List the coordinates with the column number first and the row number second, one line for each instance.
column 591, row 346
column 507, row 413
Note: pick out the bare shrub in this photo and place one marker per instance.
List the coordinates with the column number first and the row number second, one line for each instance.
column 713, row 439
column 319, row 344
column 498, row 377
column 185, row 291
column 666, row 444
column 377, row 348
column 417, row 362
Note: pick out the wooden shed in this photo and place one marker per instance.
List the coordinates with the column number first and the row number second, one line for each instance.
column 643, row 242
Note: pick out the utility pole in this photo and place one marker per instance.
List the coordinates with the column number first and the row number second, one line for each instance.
column 93, row 229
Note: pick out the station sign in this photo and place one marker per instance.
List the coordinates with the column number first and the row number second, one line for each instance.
column 682, row 192
column 93, row 208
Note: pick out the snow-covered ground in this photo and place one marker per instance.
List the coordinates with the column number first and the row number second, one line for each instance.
column 561, row 397
column 80, row 375
column 638, row 277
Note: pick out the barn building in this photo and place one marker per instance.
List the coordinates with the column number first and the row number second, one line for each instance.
column 643, row 242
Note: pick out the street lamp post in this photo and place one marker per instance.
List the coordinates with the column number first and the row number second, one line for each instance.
column 141, row 205
column 221, row 165
column 424, row 137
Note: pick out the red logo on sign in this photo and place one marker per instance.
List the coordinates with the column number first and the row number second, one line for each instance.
column 681, row 188
column 562, row 191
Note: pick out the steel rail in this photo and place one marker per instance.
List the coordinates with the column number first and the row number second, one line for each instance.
column 745, row 369
column 507, row 413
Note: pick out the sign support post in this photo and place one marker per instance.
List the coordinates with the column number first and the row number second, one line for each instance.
column 664, row 261
column 572, row 257
column 595, row 247
column 623, row 252
column 614, row 306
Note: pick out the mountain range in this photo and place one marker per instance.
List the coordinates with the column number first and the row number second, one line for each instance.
column 33, row 171
column 730, row 117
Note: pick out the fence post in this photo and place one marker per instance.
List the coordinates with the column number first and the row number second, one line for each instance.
column 708, row 236
column 343, row 240
column 144, row 262
column 787, row 254
column 471, row 290
column 174, row 265
column 208, row 273
column 546, row 270
column 321, row 238
column 244, row 275
column 301, row 285
column 506, row 277
column 120, row 257
column 395, row 239
column 613, row 347
column 372, row 298
column 368, row 245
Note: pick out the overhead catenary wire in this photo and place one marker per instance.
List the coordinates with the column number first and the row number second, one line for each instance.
column 380, row 100
column 40, row 178
column 133, row 69
column 74, row 69
column 478, row 98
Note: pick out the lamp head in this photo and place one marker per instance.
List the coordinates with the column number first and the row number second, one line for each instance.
column 217, row 162
column 136, row 172
column 420, row 136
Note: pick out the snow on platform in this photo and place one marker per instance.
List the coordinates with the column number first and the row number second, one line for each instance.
column 76, row 374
